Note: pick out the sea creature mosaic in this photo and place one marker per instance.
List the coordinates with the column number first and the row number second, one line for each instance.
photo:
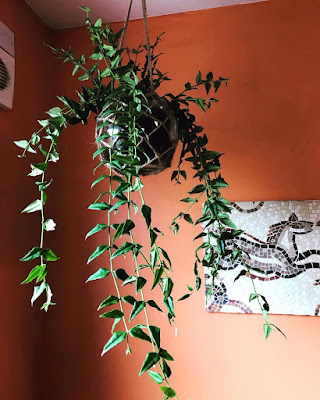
column 281, row 243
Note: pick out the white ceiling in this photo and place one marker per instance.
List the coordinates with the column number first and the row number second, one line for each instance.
column 61, row 14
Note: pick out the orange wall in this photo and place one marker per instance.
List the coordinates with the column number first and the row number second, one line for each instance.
column 267, row 124
column 21, row 326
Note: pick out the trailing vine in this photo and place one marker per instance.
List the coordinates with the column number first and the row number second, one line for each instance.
column 118, row 89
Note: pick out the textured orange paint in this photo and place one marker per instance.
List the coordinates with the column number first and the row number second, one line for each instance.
column 267, row 125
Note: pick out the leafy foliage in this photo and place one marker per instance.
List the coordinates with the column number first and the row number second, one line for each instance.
column 116, row 81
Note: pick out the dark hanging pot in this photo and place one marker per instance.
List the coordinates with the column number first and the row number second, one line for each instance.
column 157, row 137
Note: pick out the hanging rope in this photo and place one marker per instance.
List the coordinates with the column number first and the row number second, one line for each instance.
column 145, row 17
column 125, row 25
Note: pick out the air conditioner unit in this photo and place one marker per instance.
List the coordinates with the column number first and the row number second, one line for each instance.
column 7, row 67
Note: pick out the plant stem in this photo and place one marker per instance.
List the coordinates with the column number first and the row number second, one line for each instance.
column 42, row 201
column 110, row 253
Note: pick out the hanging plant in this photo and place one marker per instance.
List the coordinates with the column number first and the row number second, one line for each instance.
column 137, row 132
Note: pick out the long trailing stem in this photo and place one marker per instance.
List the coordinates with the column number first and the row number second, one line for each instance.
column 42, row 203
column 133, row 132
column 110, row 254
column 144, row 300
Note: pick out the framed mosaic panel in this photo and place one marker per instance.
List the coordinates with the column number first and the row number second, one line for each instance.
column 282, row 239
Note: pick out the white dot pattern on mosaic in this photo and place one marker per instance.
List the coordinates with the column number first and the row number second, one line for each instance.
column 282, row 239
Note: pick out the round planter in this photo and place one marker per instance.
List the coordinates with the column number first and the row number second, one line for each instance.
column 157, row 136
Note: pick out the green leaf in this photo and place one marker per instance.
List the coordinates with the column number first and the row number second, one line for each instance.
column 99, row 151
column 199, row 78
column 188, row 200
column 201, row 103
column 96, row 56
column 155, row 332
column 188, row 218
column 154, row 256
column 124, row 228
column 176, row 228
column 137, row 332
column 150, row 361
column 164, row 354
column 125, row 248
column 202, row 234
column 253, row 296
column 99, row 206
column 115, row 323
column 243, row 272
column 153, row 237
column 112, row 314
column 121, row 274
column 98, row 23
column 267, row 329
column 32, row 254
column 23, row 144
column 174, row 175
column 97, row 228
column 183, row 174
column 209, row 76
column 35, row 170
column 123, row 187
column 130, row 279
column 165, row 255
column 41, row 166
column 228, row 222
column 129, row 299
column 265, row 303
column 153, row 304
column 106, row 72
column 101, row 178
column 108, row 301
column 184, row 297
column 198, row 282
column 136, row 309
column 207, row 86
column 169, row 304
column 279, row 330
column 198, row 189
column 98, row 251
column 157, row 277
column 101, row 273
column 84, row 77
column 115, row 339
column 140, row 283
column 169, row 392
column 167, row 286
column 137, row 185
column 218, row 183
column 34, row 273
column 34, row 206
column 85, row 9
column 48, row 303
column 146, row 212
column 118, row 204
column 49, row 255
column 37, row 292
column 166, row 369
column 156, row 377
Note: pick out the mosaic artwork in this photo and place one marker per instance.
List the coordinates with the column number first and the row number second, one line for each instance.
column 282, row 240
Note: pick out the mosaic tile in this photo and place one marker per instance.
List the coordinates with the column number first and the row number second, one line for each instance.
column 283, row 242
